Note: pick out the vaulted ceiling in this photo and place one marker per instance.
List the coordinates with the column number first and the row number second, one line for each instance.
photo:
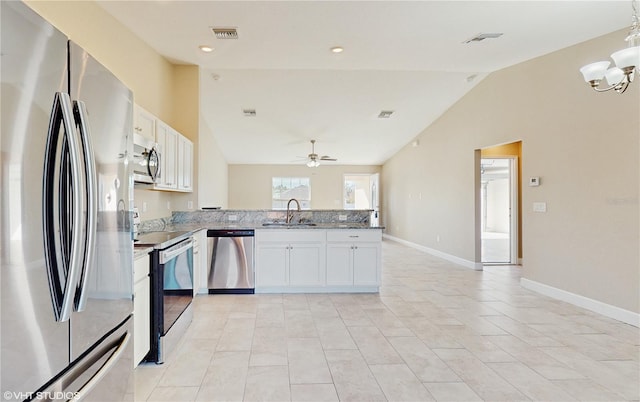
column 408, row 57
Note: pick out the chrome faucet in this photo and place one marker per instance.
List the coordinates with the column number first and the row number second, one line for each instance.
column 289, row 212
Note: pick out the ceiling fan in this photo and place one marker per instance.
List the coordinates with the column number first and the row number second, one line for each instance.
column 314, row 159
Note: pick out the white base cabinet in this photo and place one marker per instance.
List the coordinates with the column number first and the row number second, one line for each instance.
column 272, row 264
column 289, row 258
column 141, row 309
column 200, row 255
column 318, row 260
column 354, row 257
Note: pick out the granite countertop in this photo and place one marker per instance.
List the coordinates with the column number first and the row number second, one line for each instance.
column 191, row 228
column 259, row 226
column 141, row 251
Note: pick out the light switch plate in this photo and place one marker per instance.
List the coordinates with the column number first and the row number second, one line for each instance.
column 539, row 207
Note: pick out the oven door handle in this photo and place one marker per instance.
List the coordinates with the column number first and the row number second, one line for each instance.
column 173, row 251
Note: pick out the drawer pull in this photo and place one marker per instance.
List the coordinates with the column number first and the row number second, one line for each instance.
column 354, row 236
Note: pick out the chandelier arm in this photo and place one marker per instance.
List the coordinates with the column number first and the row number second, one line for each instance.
column 617, row 86
column 623, row 88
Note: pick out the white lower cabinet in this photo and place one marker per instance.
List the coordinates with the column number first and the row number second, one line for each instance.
column 272, row 264
column 141, row 309
column 306, row 264
column 339, row 264
column 318, row 260
column 200, row 250
column 366, row 270
column 289, row 259
column 354, row 257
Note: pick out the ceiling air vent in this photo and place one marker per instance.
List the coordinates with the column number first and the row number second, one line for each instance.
column 483, row 36
column 225, row 33
column 385, row 114
column 249, row 112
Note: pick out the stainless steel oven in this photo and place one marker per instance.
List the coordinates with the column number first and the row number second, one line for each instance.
column 171, row 290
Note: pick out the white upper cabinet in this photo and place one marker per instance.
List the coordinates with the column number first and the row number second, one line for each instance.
column 144, row 123
column 185, row 164
column 176, row 151
column 167, row 139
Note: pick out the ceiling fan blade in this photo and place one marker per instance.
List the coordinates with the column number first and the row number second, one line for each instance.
column 328, row 158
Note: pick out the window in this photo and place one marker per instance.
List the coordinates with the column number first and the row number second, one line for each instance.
column 285, row 188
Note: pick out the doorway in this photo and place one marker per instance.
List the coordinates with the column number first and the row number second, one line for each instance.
column 499, row 210
column 362, row 191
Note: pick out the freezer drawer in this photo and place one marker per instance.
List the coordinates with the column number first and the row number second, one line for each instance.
column 102, row 373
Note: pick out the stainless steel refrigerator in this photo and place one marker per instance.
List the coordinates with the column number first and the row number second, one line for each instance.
column 66, row 238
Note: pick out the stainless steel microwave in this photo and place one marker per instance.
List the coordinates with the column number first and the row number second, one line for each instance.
column 146, row 160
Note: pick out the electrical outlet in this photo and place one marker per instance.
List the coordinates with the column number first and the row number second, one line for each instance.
column 144, row 207
column 189, row 204
column 437, row 238
column 169, row 205
column 233, row 218
column 342, row 217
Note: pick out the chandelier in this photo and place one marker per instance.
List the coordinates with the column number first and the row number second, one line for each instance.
column 627, row 62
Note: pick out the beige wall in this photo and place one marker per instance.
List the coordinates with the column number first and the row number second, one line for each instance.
column 250, row 185
column 583, row 145
column 169, row 91
column 214, row 180
column 141, row 68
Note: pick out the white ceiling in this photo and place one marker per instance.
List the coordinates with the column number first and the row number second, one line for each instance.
column 405, row 56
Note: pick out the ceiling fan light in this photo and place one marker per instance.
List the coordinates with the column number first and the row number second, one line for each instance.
column 595, row 71
column 628, row 57
column 313, row 163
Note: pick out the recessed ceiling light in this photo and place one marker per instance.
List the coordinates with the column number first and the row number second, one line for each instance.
column 205, row 48
column 337, row 49
column 385, row 114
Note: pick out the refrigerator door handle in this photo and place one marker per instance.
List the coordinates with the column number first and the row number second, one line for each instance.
column 80, row 113
column 56, row 255
column 108, row 365
column 70, row 378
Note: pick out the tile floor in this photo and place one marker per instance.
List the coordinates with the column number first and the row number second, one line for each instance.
column 436, row 331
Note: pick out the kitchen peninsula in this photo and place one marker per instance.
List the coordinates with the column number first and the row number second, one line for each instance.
column 309, row 251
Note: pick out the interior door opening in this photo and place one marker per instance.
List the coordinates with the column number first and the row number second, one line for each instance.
column 499, row 210
column 362, row 191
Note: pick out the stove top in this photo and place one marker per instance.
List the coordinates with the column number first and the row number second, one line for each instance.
column 161, row 240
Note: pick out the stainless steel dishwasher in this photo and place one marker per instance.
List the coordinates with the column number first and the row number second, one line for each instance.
column 230, row 261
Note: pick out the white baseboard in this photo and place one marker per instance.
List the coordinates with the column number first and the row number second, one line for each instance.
column 452, row 258
column 599, row 307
